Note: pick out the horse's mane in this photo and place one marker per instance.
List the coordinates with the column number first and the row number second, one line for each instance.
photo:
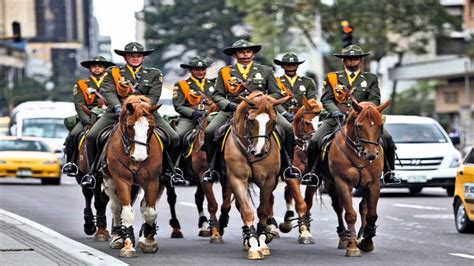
column 299, row 114
column 369, row 111
column 137, row 99
column 140, row 102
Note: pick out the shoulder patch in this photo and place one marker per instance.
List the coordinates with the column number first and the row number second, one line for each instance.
column 75, row 91
column 175, row 93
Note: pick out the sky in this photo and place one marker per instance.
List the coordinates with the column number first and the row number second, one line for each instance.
column 117, row 19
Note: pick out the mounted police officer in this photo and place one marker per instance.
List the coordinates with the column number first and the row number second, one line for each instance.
column 133, row 78
column 189, row 96
column 364, row 86
column 294, row 85
column 84, row 95
column 241, row 79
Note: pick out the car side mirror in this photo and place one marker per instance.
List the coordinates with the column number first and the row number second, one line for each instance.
column 455, row 140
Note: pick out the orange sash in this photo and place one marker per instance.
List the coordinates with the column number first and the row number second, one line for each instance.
column 188, row 94
column 89, row 97
column 122, row 89
column 284, row 90
column 229, row 84
column 339, row 93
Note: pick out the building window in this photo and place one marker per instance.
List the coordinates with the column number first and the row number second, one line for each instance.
column 451, row 97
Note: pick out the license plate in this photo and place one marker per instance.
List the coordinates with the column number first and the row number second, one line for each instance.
column 469, row 190
column 24, row 172
column 416, row 179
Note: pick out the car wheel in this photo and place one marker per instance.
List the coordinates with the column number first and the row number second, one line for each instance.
column 415, row 190
column 51, row 181
column 463, row 225
column 450, row 191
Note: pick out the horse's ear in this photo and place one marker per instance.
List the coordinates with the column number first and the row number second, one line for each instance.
column 281, row 100
column 248, row 101
column 86, row 110
column 130, row 107
column 306, row 104
column 384, row 106
column 154, row 108
column 355, row 104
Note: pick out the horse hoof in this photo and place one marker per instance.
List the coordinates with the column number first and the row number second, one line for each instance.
column 285, row 227
column 353, row 252
column 89, row 229
column 204, row 233
column 148, row 246
column 216, row 240
column 366, row 245
column 342, row 244
column 266, row 251
column 128, row 253
column 306, row 240
column 102, row 235
column 177, row 234
column 116, row 242
column 255, row 255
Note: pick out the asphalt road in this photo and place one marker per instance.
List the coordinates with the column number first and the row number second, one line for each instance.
column 412, row 230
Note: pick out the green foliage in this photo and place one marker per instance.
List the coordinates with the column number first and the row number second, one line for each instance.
column 27, row 89
column 419, row 100
column 199, row 26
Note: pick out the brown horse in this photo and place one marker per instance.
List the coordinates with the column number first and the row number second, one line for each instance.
column 99, row 227
column 355, row 159
column 252, row 156
column 134, row 162
column 305, row 123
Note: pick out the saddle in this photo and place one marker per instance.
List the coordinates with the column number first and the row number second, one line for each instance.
column 324, row 144
column 222, row 130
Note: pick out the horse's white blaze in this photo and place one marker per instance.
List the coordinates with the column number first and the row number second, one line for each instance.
column 127, row 216
column 262, row 120
column 315, row 122
column 141, row 129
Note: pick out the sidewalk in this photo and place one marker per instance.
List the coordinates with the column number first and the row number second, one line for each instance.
column 24, row 242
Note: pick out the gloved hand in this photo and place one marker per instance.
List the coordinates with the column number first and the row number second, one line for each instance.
column 338, row 115
column 232, row 107
column 288, row 116
column 197, row 114
column 118, row 110
column 85, row 122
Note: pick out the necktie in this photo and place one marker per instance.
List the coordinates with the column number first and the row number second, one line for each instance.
column 352, row 75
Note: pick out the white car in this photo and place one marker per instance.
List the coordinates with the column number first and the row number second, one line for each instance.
column 427, row 157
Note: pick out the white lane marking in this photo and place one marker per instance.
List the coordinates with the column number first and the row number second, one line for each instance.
column 462, row 255
column 420, row 207
column 435, row 216
column 394, row 218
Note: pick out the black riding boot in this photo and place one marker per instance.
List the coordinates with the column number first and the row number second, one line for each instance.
column 70, row 168
column 289, row 170
column 211, row 175
column 89, row 180
column 311, row 178
column 389, row 176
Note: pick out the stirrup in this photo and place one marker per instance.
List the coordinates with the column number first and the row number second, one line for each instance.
column 291, row 171
column 176, row 177
column 211, row 176
column 70, row 169
column 391, row 177
column 310, row 178
column 88, row 181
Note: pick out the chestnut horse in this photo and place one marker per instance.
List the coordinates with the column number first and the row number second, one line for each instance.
column 305, row 123
column 99, row 227
column 134, row 162
column 252, row 155
column 355, row 160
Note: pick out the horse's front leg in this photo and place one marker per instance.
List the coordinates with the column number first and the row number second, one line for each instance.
column 286, row 225
column 271, row 222
column 147, row 242
column 203, row 223
column 365, row 242
column 89, row 225
column 116, row 241
column 225, row 206
column 100, row 203
column 174, row 223
column 263, row 230
column 338, row 209
column 344, row 190
column 127, row 217
column 212, row 207
column 304, row 218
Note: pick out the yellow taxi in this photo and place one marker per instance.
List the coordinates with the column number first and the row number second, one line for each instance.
column 463, row 202
column 28, row 157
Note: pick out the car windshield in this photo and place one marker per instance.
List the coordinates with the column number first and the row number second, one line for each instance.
column 23, row 145
column 44, row 128
column 415, row 133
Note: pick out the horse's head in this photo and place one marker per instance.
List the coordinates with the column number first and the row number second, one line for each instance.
column 256, row 117
column 307, row 117
column 137, row 124
column 365, row 125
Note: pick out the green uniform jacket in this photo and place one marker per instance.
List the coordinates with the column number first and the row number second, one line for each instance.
column 79, row 99
column 181, row 104
column 366, row 89
column 150, row 82
column 260, row 78
column 303, row 86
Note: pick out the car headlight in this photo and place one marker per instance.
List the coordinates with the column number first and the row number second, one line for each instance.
column 49, row 162
column 455, row 162
column 3, row 162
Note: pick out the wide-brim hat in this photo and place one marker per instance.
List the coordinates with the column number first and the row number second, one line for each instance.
column 98, row 60
column 352, row 51
column 133, row 47
column 288, row 59
column 197, row 62
column 242, row 45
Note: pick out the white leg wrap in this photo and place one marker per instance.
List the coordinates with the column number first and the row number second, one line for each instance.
column 128, row 216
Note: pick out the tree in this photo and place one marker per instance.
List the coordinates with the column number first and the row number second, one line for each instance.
column 182, row 28
column 419, row 100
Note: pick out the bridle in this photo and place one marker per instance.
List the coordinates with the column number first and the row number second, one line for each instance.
column 302, row 137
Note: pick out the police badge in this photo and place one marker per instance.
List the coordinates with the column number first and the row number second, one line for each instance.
column 302, row 88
